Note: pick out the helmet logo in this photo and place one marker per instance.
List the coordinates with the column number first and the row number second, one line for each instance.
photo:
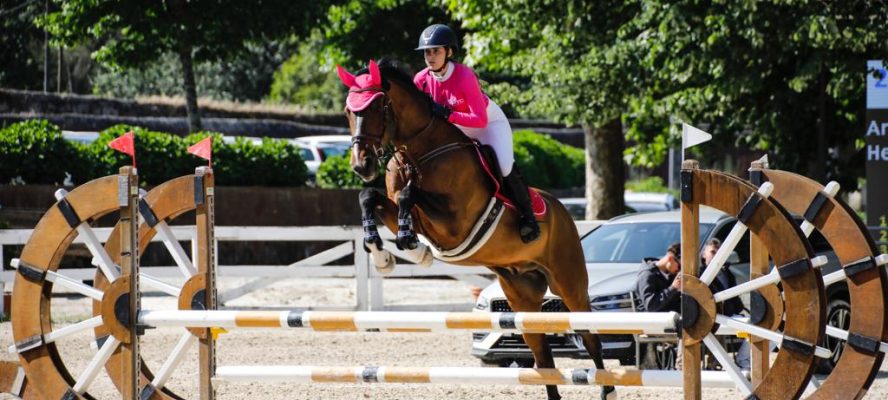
column 426, row 39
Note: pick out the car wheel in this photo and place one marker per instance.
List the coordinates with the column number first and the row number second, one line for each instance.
column 838, row 314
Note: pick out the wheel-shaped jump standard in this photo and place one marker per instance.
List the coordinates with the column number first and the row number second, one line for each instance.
column 160, row 205
column 861, row 358
column 31, row 323
column 802, row 284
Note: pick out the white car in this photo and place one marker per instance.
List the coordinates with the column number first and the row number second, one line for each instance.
column 316, row 149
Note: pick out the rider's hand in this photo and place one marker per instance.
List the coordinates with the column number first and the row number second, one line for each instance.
column 441, row 111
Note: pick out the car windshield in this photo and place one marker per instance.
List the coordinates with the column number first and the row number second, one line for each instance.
column 631, row 243
column 306, row 155
column 330, row 150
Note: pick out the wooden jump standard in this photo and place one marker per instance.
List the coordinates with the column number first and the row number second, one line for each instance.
column 764, row 218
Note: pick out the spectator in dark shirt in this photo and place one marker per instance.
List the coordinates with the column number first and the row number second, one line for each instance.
column 658, row 287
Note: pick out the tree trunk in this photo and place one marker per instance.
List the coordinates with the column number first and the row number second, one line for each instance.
column 819, row 170
column 190, row 87
column 605, row 174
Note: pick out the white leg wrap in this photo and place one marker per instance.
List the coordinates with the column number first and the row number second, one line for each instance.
column 421, row 255
column 382, row 259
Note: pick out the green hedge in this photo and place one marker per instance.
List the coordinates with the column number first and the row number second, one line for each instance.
column 336, row 173
column 547, row 163
column 544, row 162
column 37, row 153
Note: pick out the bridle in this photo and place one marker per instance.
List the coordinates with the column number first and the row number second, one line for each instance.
column 407, row 166
column 389, row 126
column 376, row 143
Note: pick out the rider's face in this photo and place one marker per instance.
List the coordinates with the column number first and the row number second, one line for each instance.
column 435, row 57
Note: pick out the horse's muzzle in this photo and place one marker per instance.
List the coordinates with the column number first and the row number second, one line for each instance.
column 366, row 168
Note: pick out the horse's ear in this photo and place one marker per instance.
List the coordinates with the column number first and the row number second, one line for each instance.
column 346, row 77
column 375, row 76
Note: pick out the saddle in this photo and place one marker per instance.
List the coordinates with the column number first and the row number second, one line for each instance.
column 488, row 159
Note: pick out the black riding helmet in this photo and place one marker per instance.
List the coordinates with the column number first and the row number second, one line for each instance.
column 437, row 35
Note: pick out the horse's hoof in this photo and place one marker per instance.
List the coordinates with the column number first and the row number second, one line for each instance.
column 609, row 393
column 383, row 261
column 421, row 256
column 407, row 241
column 372, row 243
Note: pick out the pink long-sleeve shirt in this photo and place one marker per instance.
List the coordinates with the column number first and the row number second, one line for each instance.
column 460, row 91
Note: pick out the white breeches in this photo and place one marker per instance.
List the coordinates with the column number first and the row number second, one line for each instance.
column 497, row 134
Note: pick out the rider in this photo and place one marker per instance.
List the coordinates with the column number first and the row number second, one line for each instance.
column 458, row 98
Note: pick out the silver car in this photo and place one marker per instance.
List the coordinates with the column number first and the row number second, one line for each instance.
column 614, row 252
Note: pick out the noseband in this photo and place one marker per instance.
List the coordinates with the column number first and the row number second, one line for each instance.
column 375, row 142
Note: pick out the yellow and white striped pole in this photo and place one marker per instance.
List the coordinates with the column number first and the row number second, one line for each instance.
column 592, row 322
column 464, row 376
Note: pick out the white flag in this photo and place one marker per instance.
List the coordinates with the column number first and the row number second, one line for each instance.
column 691, row 136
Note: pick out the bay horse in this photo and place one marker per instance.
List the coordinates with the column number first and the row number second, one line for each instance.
column 436, row 186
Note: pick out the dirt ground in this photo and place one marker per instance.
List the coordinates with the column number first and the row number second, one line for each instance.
column 297, row 347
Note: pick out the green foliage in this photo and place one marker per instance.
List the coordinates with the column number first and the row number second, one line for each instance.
column 336, row 173
column 359, row 30
column 245, row 163
column 546, row 163
column 159, row 156
column 784, row 77
column 20, row 65
column 653, row 184
column 305, row 80
column 35, row 152
column 132, row 37
column 245, row 77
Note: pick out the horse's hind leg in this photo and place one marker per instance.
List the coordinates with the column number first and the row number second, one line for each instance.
column 574, row 292
column 525, row 293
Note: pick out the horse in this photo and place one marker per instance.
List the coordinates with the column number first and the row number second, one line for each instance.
column 436, row 186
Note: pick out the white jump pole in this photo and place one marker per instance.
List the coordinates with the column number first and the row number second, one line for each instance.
column 464, row 376
column 592, row 322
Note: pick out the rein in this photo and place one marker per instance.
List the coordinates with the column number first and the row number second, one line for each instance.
column 407, row 167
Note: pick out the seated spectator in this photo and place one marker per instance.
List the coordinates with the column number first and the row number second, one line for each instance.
column 731, row 307
column 658, row 287
column 723, row 280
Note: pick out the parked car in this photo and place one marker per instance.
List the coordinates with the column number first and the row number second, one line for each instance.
column 613, row 253
column 316, row 149
column 635, row 202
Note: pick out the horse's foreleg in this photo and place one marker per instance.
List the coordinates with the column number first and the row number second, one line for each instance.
column 417, row 252
column 406, row 239
column 369, row 200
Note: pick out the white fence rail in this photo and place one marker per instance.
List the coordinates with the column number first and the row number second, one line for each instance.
column 368, row 283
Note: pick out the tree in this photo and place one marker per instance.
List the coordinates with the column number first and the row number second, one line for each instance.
column 578, row 71
column 359, row 30
column 785, row 77
column 20, row 67
column 133, row 35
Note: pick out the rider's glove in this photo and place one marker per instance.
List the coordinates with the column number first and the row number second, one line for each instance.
column 441, row 111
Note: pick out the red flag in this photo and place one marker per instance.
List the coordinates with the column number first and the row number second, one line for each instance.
column 203, row 149
column 125, row 144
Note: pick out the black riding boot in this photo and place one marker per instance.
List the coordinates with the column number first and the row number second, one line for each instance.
column 516, row 189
